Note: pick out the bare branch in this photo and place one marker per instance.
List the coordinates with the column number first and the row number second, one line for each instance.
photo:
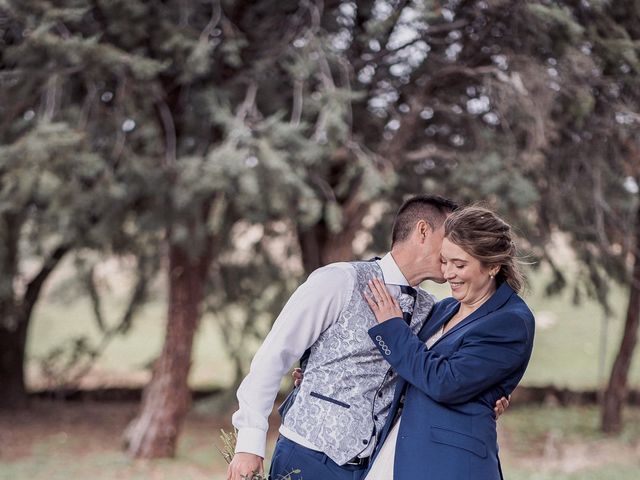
column 446, row 27
column 52, row 95
column 249, row 101
column 94, row 296
column 216, row 15
column 35, row 285
column 298, row 97
column 87, row 105
column 169, row 129
column 429, row 151
column 118, row 146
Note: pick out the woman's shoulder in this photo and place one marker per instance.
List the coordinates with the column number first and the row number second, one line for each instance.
column 517, row 305
column 514, row 315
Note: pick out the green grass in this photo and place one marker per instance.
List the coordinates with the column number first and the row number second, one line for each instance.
column 531, row 425
column 566, row 351
column 55, row 323
column 47, row 464
column 553, row 443
column 79, row 442
column 610, row 472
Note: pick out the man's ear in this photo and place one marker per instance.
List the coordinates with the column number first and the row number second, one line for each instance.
column 423, row 230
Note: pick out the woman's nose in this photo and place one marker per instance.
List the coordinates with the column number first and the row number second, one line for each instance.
column 447, row 272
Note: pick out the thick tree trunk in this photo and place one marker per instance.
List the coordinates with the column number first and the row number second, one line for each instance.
column 319, row 247
column 167, row 398
column 15, row 316
column 12, row 355
column 617, row 390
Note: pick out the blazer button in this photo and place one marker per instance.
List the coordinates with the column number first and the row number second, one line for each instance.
column 378, row 337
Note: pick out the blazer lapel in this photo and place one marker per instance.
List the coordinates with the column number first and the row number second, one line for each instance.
column 497, row 300
column 432, row 327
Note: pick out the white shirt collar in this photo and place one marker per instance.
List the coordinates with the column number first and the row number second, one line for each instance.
column 391, row 271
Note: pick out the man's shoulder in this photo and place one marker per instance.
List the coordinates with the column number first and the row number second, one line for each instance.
column 335, row 272
column 338, row 267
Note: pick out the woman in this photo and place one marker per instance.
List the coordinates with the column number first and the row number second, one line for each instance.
column 473, row 349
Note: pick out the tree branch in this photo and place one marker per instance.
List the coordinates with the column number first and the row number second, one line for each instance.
column 35, row 285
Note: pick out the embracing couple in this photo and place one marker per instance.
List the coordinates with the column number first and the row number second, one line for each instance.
column 395, row 385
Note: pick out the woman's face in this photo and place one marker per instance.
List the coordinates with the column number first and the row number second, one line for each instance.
column 469, row 280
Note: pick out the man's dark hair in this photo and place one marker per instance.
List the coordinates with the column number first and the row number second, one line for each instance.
column 433, row 209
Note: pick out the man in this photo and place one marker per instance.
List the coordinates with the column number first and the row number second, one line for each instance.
column 330, row 428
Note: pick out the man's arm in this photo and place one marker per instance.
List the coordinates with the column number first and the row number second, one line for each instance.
column 312, row 308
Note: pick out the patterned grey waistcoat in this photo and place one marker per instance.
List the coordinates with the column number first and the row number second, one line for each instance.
column 348, row 387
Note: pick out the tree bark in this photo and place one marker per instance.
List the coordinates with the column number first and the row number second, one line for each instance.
column 15, row 317
column 167, row 398
column 319, row 246
column 617, row 390
column 12, row 355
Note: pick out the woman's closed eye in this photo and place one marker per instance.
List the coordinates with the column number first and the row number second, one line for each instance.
column 459, row 266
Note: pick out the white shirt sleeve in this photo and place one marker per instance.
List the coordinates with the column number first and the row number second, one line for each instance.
column 312, row 308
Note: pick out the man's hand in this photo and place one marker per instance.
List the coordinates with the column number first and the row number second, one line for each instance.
column 244, row 465
column 501, row 406
column 297, row 376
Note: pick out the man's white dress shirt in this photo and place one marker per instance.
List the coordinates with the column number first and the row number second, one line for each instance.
column 311, row 309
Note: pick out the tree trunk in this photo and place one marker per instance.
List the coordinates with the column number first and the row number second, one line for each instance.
column 15, row 317
column 12, row 355
column 617, row 390
column 319, row 246
column 167, row 398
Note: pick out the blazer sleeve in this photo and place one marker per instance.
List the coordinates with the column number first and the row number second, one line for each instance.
column 490, row 352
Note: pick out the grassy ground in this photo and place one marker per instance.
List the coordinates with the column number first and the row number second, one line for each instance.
column 564, row 443
column 57, row 441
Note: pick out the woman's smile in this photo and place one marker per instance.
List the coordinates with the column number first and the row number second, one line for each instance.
column 470, row 281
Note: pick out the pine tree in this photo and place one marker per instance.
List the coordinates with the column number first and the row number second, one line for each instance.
column 56, row 193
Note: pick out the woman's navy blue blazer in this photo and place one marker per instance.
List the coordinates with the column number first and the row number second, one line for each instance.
column 448, row 427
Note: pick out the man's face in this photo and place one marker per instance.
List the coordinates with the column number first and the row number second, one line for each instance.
column 429, row 255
